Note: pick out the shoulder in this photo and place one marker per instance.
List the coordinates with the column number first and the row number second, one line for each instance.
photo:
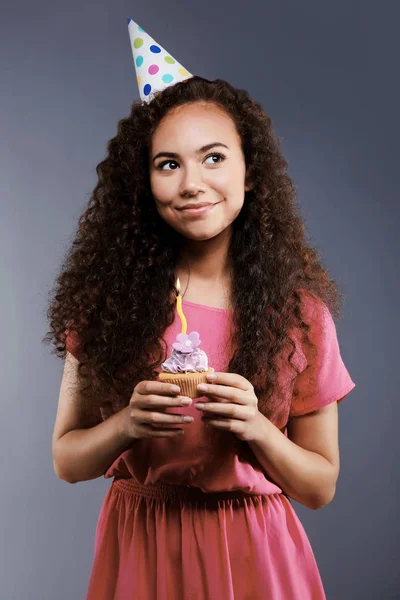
column 312, row 306
column 73, row 344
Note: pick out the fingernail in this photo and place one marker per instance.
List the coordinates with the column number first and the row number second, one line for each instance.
column 202, row 387
column 175, row 389
column 186, row 401
column 211, row 376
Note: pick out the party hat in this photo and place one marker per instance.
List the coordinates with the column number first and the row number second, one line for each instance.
column 155, row 68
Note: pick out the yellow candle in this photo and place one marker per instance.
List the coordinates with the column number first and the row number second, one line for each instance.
column 179, row 307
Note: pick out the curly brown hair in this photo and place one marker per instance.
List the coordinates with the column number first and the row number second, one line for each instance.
column 116, row 288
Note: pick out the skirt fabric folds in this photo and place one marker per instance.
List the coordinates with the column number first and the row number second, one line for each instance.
column 169, row 542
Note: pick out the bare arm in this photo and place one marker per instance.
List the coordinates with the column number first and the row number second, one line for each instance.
column 83, row 445
column 83, row 454
column 305, row 465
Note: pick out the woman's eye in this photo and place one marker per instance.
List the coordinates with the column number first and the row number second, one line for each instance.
column 217, row 154
column 168, row 162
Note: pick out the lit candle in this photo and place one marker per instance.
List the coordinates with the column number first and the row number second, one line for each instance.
column 179, row 307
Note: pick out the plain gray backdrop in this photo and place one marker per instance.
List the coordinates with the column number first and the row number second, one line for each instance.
column 327, row 74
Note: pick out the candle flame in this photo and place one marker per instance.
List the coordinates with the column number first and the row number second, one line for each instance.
column 178, row 285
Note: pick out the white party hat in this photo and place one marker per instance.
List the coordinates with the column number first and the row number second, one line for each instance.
column 155, row 68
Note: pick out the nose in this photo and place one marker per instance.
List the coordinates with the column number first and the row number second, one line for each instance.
column 191, row 184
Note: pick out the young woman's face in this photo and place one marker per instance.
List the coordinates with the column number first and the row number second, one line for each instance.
column 195, row 174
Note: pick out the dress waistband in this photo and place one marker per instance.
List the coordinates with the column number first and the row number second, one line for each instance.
column 177, row 493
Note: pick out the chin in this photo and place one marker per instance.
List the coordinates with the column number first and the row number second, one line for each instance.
column 201, row 233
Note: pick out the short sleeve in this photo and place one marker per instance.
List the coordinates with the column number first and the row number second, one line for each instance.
column 325, row 379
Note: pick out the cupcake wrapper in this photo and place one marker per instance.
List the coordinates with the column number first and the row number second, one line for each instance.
column 188, row 382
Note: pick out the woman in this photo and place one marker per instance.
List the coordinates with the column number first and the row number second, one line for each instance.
column 205, row 514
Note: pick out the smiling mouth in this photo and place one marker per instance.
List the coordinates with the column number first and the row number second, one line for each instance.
column 196, row 206
column 198, row 211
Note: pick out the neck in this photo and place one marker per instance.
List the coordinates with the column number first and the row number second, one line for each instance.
column 207, row 260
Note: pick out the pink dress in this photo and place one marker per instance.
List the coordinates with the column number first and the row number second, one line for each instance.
column 186, row 519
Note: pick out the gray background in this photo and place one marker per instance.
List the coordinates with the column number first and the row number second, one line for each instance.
column 327, row 74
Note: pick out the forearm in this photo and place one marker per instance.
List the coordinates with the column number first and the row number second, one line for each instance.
column 84, row 454
column 305, row 476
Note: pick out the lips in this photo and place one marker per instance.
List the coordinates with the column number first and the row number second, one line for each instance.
column 195, row 206
column 192, row 213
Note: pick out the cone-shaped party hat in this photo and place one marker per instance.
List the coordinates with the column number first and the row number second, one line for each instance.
column 155, row 68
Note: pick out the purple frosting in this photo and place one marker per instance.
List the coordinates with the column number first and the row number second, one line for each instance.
column 186, row 356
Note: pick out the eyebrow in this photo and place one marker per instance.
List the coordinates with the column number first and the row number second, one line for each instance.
column 199, row 151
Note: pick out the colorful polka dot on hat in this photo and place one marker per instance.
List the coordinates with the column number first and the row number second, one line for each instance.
column 155, row 68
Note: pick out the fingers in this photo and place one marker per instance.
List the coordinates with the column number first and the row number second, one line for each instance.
column 223, row 392
column 157, row 387
column 226, row 411
column 151, row 401
column 147, row 409
column 159, row 419
column 232, row 379
column 156, row 393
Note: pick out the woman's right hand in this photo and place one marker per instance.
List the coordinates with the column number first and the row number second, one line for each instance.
column 144, row 417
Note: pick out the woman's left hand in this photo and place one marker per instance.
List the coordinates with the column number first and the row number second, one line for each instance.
column 233, row 406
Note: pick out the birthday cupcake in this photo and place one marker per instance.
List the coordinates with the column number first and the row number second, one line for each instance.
column 187, row 365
